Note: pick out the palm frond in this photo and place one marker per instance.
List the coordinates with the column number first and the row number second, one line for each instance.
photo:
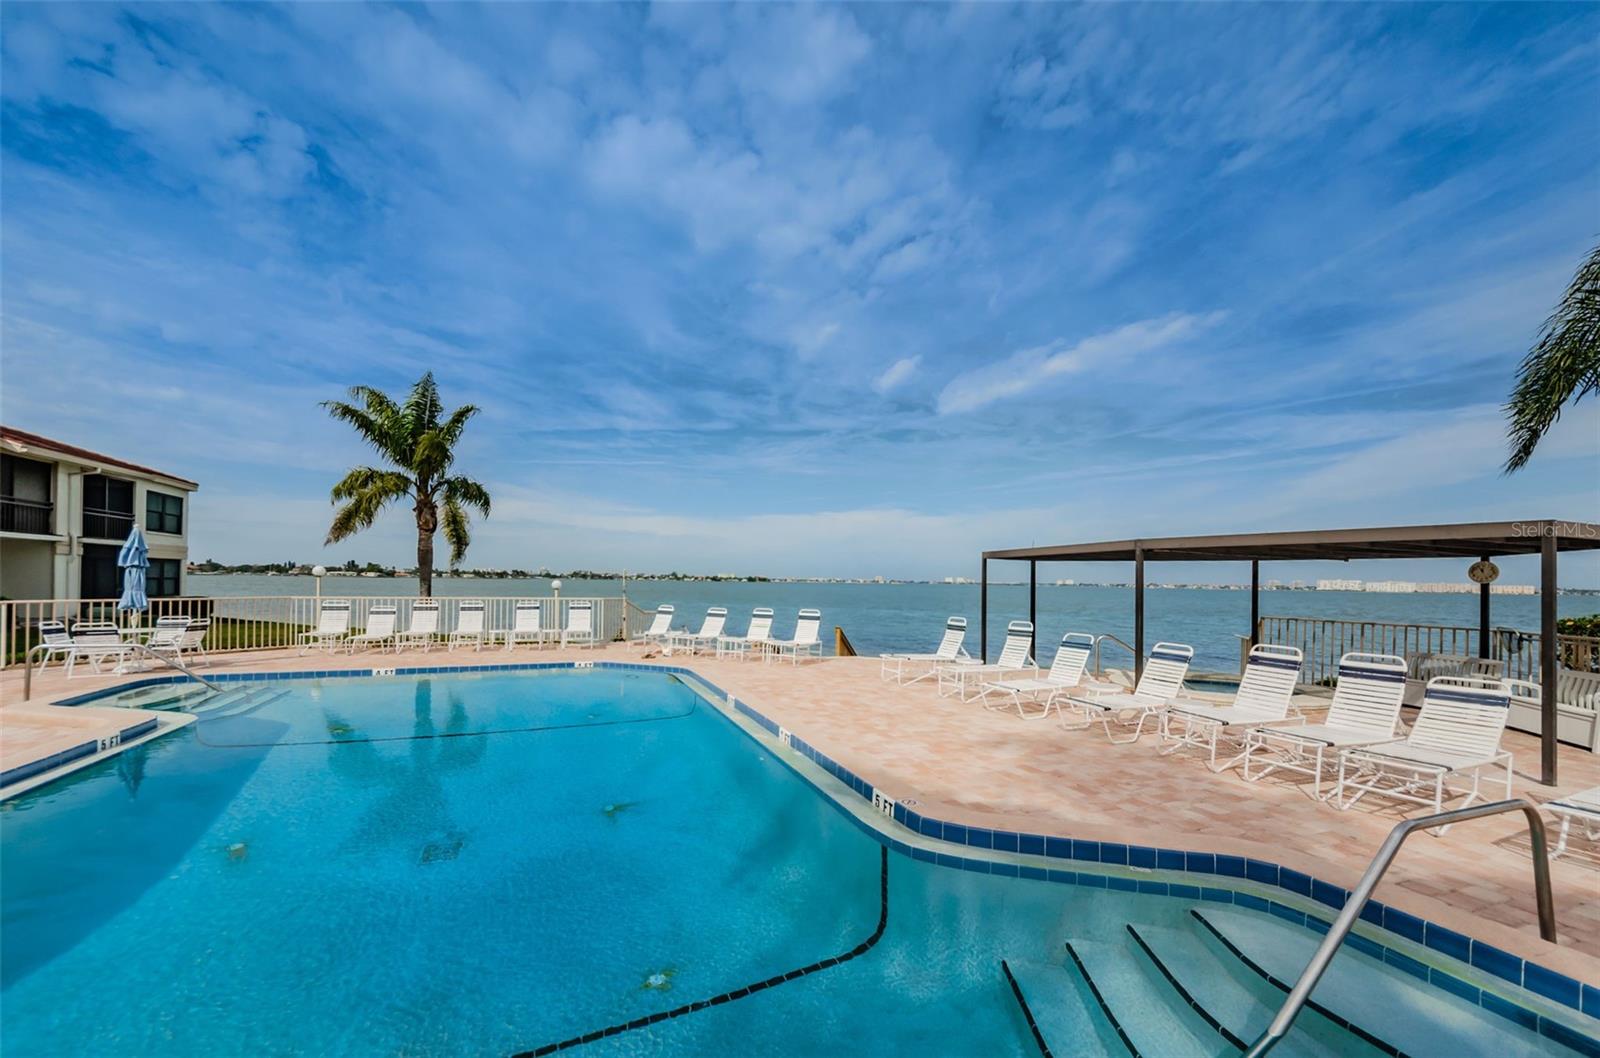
column 371, row 479
column 1563, row 366
column 456, row 532
column 467, row 493
column 358, row 514
column 423, row 407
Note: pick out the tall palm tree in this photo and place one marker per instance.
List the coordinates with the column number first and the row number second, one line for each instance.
column 1564, row 365
column 418, row 441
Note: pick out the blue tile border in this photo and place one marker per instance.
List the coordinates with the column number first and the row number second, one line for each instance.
column 1555, row 987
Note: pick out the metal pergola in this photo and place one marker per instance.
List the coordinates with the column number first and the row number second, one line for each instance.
column 1544, row 537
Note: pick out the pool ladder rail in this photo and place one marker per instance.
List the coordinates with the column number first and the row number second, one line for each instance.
column 1353, row 905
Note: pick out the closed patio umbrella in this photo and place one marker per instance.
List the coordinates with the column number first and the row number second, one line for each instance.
column 133, row 560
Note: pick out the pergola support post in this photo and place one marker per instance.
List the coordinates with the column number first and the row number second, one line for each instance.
column 1138, row 613
column 1483, row 617
column 983, row 613
column 1255, row 599
column 1033, row 608
column 1549, row 659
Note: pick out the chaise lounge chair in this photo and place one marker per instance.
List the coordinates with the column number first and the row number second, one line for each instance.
column 755, row 637
column 469, row 625
column 379, row 631
column 94, row 642
column 965, row 679
column 1456, row 734
column 893, row 666
column 660, row 627
column 580, row 630
column 1159, row 683
column 1271, row 673
column 527, row 624
column 1582, row 808
column 1365, row 711
column 424, row 626
column 1066, row 673
column 806, row 642
column 706, row 638
column 333, row 624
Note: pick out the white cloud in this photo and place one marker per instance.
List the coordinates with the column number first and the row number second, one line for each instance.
column 897, row 374
column 1027, row 369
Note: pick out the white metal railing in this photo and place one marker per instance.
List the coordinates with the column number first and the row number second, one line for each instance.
column 265, row 622
column 1324, row 640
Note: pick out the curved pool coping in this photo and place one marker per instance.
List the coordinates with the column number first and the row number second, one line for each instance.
column 1425, row 950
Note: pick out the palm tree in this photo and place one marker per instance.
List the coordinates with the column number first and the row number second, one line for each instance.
column 418, row 441
column 1564, row 365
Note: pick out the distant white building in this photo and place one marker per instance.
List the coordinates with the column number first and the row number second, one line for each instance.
column 1391, row 587
column 65, row 512
column 1340, row 585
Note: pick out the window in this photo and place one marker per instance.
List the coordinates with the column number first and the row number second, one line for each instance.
column 161, row 579
column 163, row 513
column 24, row 495
column 101, row 578
column 107, row 507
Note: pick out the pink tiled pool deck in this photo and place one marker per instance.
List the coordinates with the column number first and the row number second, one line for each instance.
column 965, row 764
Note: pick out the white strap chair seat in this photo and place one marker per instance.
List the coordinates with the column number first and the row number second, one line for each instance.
column 424, row 626
column 755, row 638
column 966, row 678
column 1583, row 808
column 705, row 639
column 333, row 624
column 1066, row 673
column 923, row 666
column 1108, row 704
column 807, row 642
column 660, row 627
column 1266, row 689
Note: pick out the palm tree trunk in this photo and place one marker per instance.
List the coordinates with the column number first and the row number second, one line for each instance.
column 427, row 523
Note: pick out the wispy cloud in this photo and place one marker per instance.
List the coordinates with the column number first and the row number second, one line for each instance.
column 897, row 374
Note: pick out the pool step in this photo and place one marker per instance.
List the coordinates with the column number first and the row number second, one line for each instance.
column 1141, row 1007
column 1377, row 1000
column 1226, row 991
column 1065, row 1015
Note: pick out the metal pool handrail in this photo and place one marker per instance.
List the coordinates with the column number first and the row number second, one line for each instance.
column 1359, row 896
column 1102, row 638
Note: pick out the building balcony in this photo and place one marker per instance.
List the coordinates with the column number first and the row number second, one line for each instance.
column 107, row 525
column 25, row 516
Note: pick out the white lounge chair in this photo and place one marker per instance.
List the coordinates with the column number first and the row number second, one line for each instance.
column 706, row 638
column 424, row 626
column 1582, row 808
column 660, row 627
column 54, row 641
column 333, row 624
column 167, row 634
column 94, row 642
column 579, row 630
column 180, row 637
column 1271, row 673
column 1426, row 666
column 527, row 624
column 806, row 642
column 1456, row 734
column 1066, row 673
column 754, row 639
column 469, row 624
column 379, row 631
column 965, row 679
column 1365, row 711
column 894, row 666
column 1160, row 681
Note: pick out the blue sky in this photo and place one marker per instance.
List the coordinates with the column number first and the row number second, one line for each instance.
column 826, row 290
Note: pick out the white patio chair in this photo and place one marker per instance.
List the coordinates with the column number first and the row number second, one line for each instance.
column 94, row 642
column 1159, row 683
column 469, row 624
column 177, row 637
column 1066, row 673
column 660, row 627
column 1456, row 735
column 380, row 630
column 1424, row 667
column 54, row 641
column 527, row 624
column 1365, row 711
column 965, row 679
column 1582, row 808
column 754, row 639
column 706, row 638
column 806, row 642
column 580, row 629
column 893, row 666
column 1266, row 689
column 423, row 627
column 333, row 624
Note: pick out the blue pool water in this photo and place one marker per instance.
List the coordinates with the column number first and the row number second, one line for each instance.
column 490, row 863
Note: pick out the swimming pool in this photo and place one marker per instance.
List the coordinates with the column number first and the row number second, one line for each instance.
column 504, row 862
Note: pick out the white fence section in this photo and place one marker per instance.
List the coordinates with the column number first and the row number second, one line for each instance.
column 265, row 622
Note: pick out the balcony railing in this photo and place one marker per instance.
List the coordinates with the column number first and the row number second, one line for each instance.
column 24, row 516
column 107, row 525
